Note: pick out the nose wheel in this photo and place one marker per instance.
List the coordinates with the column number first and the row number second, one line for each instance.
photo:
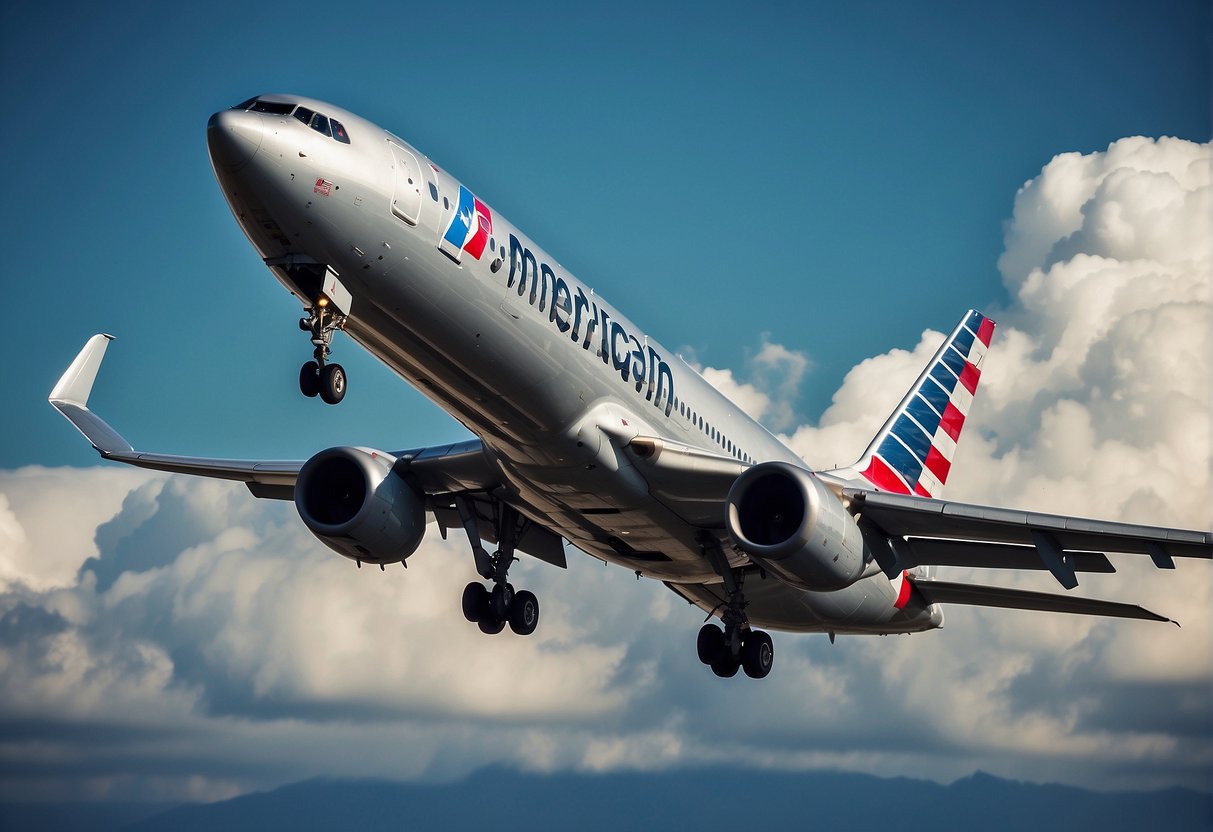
column 318, row 377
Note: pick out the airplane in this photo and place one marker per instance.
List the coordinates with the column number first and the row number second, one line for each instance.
column 589, row 430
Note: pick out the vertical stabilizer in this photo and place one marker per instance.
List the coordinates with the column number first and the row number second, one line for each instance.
column 913, row 452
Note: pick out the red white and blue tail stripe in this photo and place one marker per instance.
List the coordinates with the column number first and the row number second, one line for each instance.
column 913, row 452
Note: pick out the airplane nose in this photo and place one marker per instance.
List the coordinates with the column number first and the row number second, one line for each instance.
column 233, row 136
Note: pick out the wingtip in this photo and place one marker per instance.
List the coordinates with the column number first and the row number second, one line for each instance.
column 76, row 383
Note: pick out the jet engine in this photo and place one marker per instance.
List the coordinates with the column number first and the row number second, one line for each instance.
column 792, row 525
column 354, row 503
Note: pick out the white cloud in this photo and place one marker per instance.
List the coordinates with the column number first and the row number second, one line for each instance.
column 743, row 394
column 38, row 548
column 769, row 396
column 178, row 625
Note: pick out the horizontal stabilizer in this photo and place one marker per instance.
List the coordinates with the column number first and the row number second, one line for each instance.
column 943, row 592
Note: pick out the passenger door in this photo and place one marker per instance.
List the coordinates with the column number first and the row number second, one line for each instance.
column 406, row 197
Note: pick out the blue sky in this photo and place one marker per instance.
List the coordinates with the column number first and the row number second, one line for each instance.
column 790, row 194
column 835, row 175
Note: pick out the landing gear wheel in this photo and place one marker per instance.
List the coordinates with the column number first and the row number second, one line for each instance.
column 309, row 379
column 757, row 654
column 475, row 602
column 332, row 383
column 500, row 601
column 726, row 667
column 710, row 643
column 491, row 626
column 524, row 613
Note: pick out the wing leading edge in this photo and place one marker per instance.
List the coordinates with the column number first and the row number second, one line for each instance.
column 441, row 470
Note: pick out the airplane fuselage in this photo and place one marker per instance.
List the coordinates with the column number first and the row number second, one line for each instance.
column 553, row 379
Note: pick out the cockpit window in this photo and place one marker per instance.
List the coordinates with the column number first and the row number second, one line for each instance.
column 317, row 121
column 277, row 108
column 321, row 124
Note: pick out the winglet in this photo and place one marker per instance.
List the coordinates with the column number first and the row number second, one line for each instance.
column 77, row 381
column 70, row 397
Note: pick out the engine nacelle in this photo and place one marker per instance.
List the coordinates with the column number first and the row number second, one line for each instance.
column 350, row 499
column 788, row 522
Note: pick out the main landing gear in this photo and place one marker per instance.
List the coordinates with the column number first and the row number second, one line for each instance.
column 492, row 609
column 737, row 646
column 317, row 377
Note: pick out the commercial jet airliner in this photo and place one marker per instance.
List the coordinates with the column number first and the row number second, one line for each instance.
column 588, row 429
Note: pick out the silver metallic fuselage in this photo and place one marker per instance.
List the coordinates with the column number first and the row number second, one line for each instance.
column 552, row 414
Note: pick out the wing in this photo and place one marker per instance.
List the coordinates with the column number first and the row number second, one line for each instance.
column 938, row 532
column 461, row 470
column 442, row 470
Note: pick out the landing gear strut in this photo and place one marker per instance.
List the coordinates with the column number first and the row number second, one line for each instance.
column 492, row 609
column 317, row 377
column 738, row 645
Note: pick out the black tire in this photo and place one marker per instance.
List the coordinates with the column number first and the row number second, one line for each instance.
column 757, row 654
column 726, row 667
column 332, row 383
column 500, row 601
column 490, row 626
column 710, row 643
column 309, row 379
column 524, row 613
column 475, row 602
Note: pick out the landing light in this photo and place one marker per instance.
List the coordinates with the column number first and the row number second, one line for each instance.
column 323, row 302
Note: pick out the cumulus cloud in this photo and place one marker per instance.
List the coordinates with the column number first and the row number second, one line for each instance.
column 170, row 638
column 775, row 373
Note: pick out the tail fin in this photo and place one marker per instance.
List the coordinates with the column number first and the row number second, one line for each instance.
column 913, row 452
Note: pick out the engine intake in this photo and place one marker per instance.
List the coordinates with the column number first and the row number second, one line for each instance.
column 788, row 522
column 354, row 504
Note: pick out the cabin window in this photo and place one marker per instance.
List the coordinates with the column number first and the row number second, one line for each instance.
column 339, row 131
column 433, row 192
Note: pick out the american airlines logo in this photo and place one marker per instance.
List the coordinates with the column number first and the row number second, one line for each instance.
column 469, row 228
column 570, row 310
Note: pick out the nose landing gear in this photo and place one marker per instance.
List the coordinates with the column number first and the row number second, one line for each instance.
column 317, row 377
